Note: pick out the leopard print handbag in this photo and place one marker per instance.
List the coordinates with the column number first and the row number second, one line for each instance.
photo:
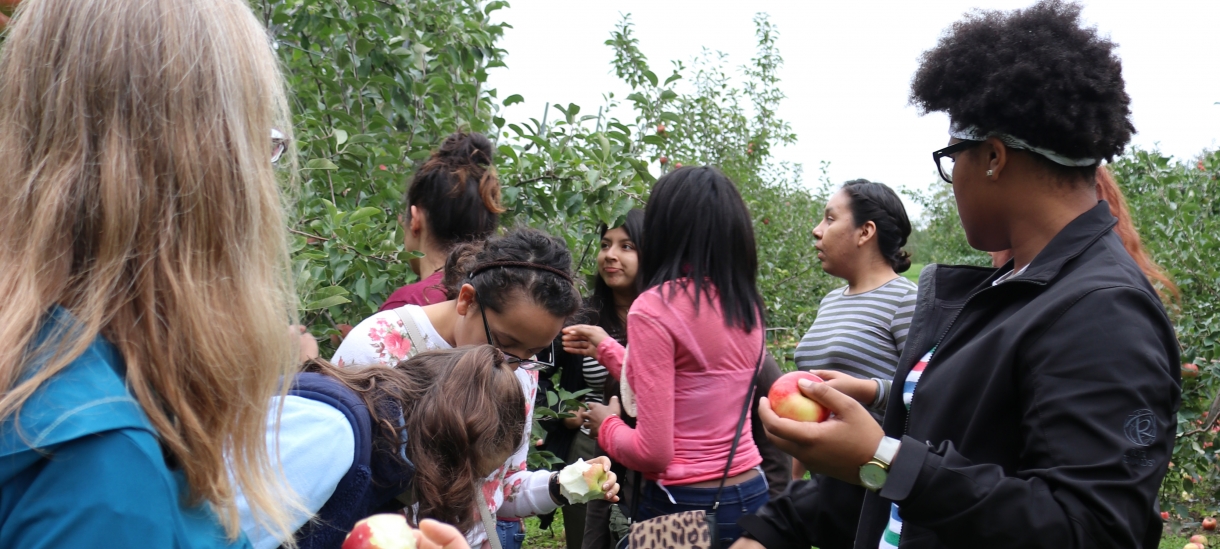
column 693, row 529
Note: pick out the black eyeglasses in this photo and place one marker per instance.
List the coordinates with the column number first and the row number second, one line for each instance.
column 944, row 158
column 523, row 363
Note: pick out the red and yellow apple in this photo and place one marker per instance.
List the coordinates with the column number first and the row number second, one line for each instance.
column 383, row 531
column 1199, row 539
column 1190, row 370
column 1209, row 523
column 788, row 402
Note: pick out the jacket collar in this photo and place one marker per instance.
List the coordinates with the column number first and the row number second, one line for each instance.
column 1072, row 241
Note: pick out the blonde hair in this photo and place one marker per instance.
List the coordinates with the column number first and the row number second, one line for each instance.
column 140, row 197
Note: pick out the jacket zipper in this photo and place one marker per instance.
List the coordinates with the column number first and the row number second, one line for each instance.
column 907, row 423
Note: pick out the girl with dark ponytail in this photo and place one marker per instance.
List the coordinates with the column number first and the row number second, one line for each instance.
column 453, row 198
column 860, row 240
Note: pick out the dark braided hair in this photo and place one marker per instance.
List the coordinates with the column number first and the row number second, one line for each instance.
column 1033, row 73
column 547, row 283
column 458, row 189
column 878, row 203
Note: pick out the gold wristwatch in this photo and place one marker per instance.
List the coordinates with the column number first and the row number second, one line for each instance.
column 874, row 473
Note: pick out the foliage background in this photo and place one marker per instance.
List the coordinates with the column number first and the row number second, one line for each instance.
column 377, row 85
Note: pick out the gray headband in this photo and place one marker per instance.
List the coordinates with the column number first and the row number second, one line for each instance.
column 972, row 133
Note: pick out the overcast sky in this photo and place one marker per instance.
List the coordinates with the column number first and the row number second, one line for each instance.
column 848, row 67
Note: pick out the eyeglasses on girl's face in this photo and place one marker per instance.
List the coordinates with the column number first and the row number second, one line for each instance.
column 528, row 364
column 944, row 158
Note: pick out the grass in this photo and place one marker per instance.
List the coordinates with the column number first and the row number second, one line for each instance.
column 912, row 274
column 551, row 538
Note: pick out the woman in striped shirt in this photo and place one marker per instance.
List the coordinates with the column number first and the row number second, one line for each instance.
column 861, row 328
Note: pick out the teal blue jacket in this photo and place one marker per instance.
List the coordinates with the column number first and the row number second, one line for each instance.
column 85, row 468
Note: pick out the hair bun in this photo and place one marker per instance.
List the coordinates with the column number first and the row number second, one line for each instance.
column 465, row 148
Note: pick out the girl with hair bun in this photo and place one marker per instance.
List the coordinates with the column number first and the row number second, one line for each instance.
column 514, row 292
column 453, row 198
column 861, row 328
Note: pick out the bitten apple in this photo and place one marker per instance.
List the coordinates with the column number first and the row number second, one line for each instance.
column 788, row 402
column 581, row 482
column 383, row 531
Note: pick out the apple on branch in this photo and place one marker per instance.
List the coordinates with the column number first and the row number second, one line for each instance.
column 383, row 531
column 788, row 402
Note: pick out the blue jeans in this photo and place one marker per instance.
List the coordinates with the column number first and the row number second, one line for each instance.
column 735, row 502
column 511, row 533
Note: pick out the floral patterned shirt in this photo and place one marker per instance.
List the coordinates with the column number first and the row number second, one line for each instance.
column 512, row 490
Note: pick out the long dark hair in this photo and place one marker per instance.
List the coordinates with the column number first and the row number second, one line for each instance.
column 880, row 204
column 549, row 285
column 459, row 190
column 707, row 239
column 458, row 406
column 602, row 299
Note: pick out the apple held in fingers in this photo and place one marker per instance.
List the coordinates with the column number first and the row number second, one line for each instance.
column 581, row 482
column 383, row 531
column 788, row 402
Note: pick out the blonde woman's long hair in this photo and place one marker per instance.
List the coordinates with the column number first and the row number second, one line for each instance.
column 139, row 196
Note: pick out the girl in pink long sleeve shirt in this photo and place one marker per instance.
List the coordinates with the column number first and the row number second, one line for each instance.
column 696, row 336
column 689, row 372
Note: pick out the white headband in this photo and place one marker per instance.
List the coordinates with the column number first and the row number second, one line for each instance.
column 972, row 133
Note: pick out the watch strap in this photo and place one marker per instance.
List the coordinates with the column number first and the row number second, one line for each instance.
column 886, row 450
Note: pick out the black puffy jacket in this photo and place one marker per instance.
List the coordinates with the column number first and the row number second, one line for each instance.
column 1046, row 417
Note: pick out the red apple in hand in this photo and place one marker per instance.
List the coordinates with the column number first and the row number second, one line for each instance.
column 788, row 402
column 384, row 531
column 1209, row 523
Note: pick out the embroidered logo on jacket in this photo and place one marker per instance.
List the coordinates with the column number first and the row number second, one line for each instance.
column 1140, row 427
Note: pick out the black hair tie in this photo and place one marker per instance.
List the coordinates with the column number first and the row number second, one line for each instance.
column 521, row 264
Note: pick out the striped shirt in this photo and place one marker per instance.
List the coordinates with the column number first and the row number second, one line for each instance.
column 595, row 380
column 861, row 334
column 893, row 530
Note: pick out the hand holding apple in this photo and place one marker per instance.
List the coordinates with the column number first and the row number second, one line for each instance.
column 863, row 391
column 585, row 481
column 788, row 402
column 383, row 531
column 837, row 446
column 583, row 339
column 437, row 535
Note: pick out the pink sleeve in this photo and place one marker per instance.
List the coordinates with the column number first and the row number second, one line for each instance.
column 610, row 354
column 650, row 446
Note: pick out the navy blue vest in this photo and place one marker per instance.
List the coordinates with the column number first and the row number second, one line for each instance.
column 374, row 480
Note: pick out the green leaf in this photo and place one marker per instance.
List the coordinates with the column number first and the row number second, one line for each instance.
column 340, row 136
column 362, row 214
column 320, row 164
column 513, row 99
column 326, row 303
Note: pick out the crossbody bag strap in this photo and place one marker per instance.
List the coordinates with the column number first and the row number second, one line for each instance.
column 418, row 343
column 489, row 524
column 741, row 421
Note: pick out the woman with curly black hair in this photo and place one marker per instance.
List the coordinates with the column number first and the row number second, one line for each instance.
column 1039, row 399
